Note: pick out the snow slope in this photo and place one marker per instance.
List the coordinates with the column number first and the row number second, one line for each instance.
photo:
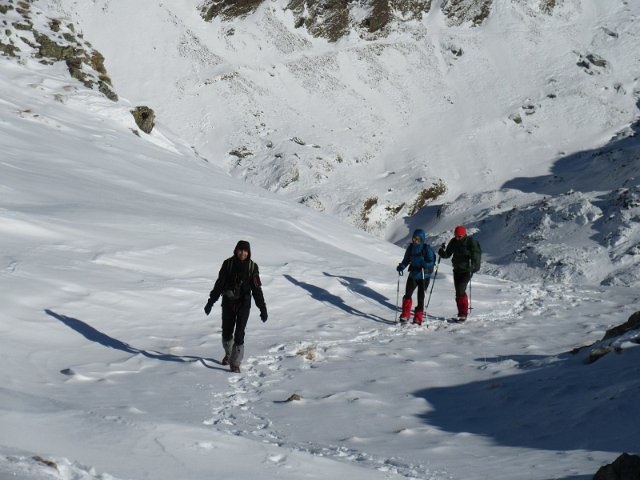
column 359, row 128
column 528, row 121
column 110, row 243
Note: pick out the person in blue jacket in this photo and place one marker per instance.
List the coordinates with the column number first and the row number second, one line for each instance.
column 420, row 259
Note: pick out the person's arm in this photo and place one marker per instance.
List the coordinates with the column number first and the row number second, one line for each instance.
column 405, row 261
column 215, row 293
column 446, row 252
column 258, row 295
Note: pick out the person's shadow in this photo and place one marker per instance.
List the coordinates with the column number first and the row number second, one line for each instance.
column 359, row 286
column 322, row 295
column 97, row 336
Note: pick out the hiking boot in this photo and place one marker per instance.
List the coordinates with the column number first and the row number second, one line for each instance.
column 225, row 360
column 235, row 368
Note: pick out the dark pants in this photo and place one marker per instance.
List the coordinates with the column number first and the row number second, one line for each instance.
column 235, row 315
column 422, row 285
column 460, row 281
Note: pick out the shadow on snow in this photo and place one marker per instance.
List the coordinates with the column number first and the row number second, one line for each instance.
column 97, row 336
column 555, row 403
column 322, row 295
column 611, row 166
column 359, row 287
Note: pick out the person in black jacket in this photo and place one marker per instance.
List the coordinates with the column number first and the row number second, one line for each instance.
column 466, row 254
column 238, row 279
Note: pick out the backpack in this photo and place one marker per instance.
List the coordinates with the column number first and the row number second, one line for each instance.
column 425, row 251
column 477, row 243
column 469, row 247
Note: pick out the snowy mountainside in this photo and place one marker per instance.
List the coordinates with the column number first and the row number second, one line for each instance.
column 427, row 124
column 580, row 223
column 110, row 240
column 366, row 128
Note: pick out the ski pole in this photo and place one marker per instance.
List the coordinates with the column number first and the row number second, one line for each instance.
column 470, row 296
column 398, row 297
column 435, row 274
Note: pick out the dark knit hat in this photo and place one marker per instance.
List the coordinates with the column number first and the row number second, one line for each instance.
column 242, row 245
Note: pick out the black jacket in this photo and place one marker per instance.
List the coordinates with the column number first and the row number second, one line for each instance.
column 237, row 281
column 466, row 254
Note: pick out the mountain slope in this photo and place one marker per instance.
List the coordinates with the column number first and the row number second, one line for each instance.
column 363, row 128
column 111, row 240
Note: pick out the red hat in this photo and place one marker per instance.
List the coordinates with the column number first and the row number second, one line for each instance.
column 460, row 231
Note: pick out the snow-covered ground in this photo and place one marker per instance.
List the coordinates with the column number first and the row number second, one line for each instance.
column 109, row 245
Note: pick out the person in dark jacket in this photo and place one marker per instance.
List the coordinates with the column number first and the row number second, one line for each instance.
column 420, row 259
column 238, row 279
column 466, row 255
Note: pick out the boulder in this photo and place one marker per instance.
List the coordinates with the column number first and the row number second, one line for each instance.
column 144, row 117
column 632, row 324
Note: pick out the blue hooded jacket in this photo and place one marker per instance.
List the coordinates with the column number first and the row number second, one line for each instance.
column 419, row 257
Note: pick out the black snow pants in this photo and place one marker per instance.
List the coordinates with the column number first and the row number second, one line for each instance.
column 235, row 314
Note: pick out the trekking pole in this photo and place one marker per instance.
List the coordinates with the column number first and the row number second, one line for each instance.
column 398, row 297
column 435, row 274
column 470, row 296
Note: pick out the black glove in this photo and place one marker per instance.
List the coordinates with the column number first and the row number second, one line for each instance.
column 400, row 268
column 208, row 307
column 442, row 251
column 263, row 316
column 476, row 268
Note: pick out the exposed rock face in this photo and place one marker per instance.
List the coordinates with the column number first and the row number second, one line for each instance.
column 322, row 18
column 608, row 343
column 464, row 11
column 632, row 324
column 625, row 467
column 228, row 9
column 330, row 19
column 29, row 33
column 145, row 118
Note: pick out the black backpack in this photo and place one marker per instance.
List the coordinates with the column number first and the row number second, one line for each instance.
column 469, row 247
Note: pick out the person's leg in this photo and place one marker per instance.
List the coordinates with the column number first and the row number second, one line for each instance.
column 461, row 280
column 419, row 312
column 406, row 300
column 228, row 323
column 241, row 319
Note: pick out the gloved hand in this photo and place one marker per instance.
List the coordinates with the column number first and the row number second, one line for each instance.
column 443, row 250
column 476, row 268
column 208, row 307
column 263, row 316
column 400, row 268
